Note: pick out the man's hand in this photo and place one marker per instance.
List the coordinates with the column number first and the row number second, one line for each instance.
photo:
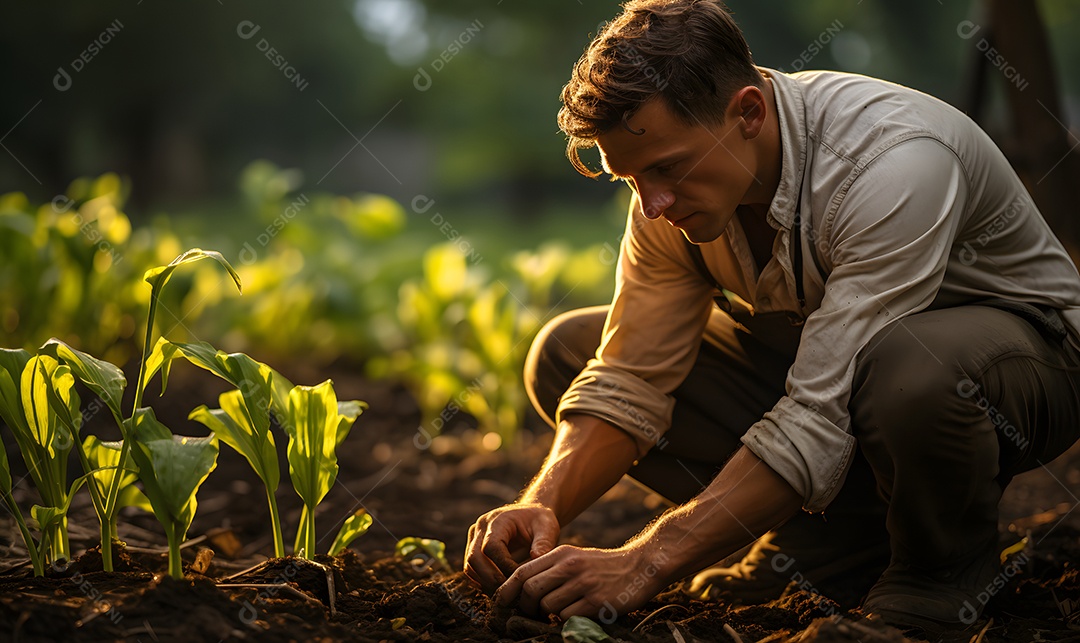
column 572, row 581
column 503, row 538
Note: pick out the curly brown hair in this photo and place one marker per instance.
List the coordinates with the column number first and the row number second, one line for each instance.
column 688, row 52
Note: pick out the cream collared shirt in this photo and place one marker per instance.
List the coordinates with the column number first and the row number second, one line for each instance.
column 907, row 205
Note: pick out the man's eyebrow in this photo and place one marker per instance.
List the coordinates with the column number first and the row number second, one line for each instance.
column 667, row 160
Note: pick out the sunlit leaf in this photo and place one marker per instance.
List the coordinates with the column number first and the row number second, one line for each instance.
column 580, row 629
column 106, row 380
column 315, row 423
column 159, row 276
column 171, row 468
column 355, row 526
column 104, row 458
column 427, row 547
column 233, row 427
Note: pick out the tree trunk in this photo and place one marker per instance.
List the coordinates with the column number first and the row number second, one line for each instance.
column 1044, row 150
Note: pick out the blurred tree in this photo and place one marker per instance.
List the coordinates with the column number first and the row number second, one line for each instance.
column 455, row 101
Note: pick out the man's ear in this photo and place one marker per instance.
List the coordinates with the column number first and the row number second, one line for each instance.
column 749, row 107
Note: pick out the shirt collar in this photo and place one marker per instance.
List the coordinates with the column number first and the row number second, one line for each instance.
column 791, row 112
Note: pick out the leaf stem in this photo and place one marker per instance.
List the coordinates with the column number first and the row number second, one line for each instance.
column 28, row 539
column 275, row 519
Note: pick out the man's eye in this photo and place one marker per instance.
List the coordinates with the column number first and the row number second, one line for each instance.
column 666, row 169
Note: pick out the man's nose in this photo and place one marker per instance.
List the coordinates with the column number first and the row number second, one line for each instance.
column 653, row 204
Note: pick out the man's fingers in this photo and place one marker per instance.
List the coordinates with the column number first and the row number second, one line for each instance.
column 495, row 547
column 484, row 572
column 545, row 535
column 478, row 567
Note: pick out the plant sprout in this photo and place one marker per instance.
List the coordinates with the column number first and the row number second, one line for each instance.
column 44, row 439
column 354, row 526
column 171, row 468
column 316, row 423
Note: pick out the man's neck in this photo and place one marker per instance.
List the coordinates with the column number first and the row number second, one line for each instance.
column 770, row 158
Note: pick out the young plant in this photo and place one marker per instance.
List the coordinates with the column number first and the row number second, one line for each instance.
column 13, row 507
column 424, row 548
column 171, row 468
column 316, row 423
column 107, row 382
column 236, row 427
column 44, row 439
column 354, row 526
column 243, row 421
column 104, row 465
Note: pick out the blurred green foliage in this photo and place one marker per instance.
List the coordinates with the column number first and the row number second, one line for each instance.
column 326, row 277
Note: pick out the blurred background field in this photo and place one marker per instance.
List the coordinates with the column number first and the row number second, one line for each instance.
column 386, row 175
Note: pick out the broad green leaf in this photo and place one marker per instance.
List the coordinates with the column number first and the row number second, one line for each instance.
column 106, row 380
column 158, row 277
column 312, row 427
column 580, row 629
column 355, row 526
column 47, row 387
column 431, row 548
column 233, row 427
column 132, row 496
column 160, row 358
column 47, row 517
column 12, row 364
column 347, row 414
column 104, row 457
column 257, row 382
column 171, row 467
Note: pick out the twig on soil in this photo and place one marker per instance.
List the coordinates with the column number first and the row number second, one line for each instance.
column 775, row 636
column 16, row 567
column 653, row 614
column 979, row 637
column 250, row 570
column 329, row 586
column 730, row 631
column 675, row 632
column 288, row 589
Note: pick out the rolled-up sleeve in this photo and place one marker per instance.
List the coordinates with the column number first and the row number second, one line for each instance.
column 889, row 242
column 651, row 338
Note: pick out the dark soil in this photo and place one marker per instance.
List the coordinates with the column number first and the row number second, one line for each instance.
column 413, row 486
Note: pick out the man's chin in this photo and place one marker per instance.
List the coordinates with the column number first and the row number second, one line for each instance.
column 698, row 237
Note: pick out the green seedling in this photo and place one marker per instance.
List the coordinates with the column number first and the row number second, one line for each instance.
column 104, row 460
column 44, row 439
column 107, row 382
column 243, row 421
column 171, row 468
column 355, row 526
column 316, row 423
column 9, row 502
column 234, row 425
column 429, row 548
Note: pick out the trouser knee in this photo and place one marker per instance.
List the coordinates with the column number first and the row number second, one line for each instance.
column 559, row 353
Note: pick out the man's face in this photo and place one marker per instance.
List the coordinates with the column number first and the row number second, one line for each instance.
column 692, row 175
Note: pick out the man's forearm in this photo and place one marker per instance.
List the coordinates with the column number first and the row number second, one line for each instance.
column 588, row 457
column 745, row 500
